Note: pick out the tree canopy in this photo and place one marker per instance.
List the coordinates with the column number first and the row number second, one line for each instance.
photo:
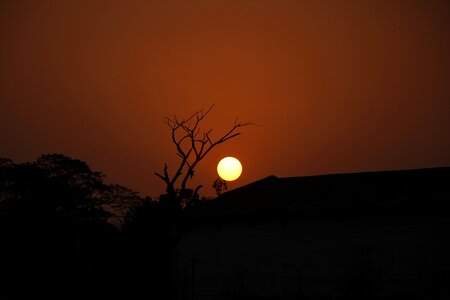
column 57, row 185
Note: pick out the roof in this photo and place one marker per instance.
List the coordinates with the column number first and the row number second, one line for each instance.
column 399, row 190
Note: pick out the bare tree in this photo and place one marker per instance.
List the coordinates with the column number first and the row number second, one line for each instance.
column 192, row 145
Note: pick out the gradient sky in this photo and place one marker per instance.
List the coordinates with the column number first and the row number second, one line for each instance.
column 335, row 86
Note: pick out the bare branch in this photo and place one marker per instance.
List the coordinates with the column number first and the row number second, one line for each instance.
column 160, row 176
column 184, row 161
column 166, row 179
column 188, row 137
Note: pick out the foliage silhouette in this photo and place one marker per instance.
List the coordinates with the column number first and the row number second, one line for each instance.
column 56, row 212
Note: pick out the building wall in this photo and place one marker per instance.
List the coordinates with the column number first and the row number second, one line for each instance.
column 374, row 258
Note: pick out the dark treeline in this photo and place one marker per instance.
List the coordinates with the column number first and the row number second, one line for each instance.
column 66, row 233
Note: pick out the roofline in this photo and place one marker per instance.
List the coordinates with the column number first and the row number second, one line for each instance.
column 376, row 172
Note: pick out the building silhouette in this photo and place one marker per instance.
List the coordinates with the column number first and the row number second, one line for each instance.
column 372, row 235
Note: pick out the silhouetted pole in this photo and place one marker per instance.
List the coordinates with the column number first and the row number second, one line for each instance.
column 192, row 278
column 77, row 244
column 299, row 279
column 299, row 287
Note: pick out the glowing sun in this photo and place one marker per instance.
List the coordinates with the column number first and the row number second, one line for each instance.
column 229, row 168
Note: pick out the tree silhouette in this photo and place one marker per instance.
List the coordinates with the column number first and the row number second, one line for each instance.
column 192, row 145
column 56, row 212
column 75, row 189
column 219, row 185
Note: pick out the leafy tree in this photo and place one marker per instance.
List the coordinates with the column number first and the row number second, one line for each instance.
column 83, row 194
column 75, row 189
column 219, row 185
column 119, row 200
column 58, row 186
column 54, row 212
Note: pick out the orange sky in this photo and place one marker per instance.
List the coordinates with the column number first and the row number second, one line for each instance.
column 335, row 86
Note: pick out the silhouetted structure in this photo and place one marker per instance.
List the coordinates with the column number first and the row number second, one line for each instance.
column 375, row 235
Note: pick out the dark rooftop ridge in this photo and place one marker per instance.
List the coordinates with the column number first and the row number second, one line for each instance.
column 331, row 191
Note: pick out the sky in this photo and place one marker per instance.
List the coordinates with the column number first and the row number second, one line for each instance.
column 333, row 86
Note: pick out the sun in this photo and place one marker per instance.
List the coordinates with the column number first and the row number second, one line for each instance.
column 229, row 168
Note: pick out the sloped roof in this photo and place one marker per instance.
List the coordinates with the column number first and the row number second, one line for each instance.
column 348, row 190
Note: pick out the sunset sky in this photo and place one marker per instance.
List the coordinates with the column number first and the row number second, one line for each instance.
column 334, row 86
